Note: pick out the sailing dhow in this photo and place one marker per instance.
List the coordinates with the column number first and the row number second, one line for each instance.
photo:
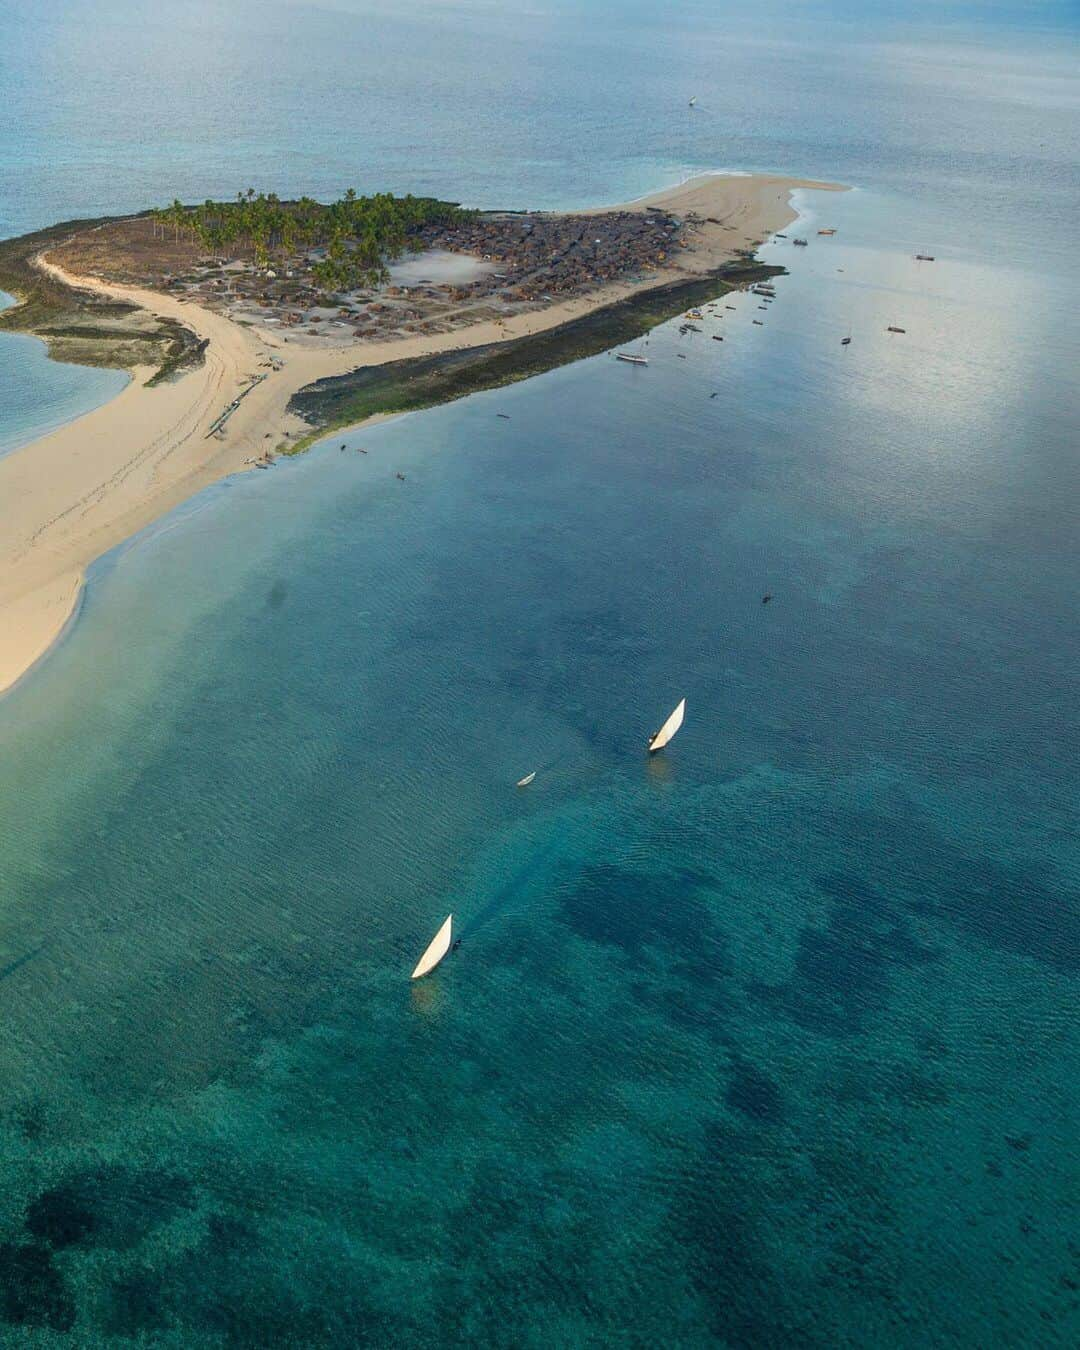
column 669, row 728
column 440, row 945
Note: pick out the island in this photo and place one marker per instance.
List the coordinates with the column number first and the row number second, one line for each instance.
column 253, row 327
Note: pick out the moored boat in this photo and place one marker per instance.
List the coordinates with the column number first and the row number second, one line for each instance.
column 634, row 360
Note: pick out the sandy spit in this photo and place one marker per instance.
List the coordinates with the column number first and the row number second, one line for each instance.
column 75, row 494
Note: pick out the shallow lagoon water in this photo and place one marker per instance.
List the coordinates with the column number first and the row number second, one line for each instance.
column 38, row 395
column 769, row 1041
column 753, row 1041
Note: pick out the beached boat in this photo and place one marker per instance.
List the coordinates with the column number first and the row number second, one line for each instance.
column 524, row 782
column 670, row 727
column 634, row 360
column 439, row 946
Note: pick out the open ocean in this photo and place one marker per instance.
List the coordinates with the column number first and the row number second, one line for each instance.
column 768, row 1042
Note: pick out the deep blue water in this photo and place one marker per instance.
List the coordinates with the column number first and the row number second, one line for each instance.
column 767, row 1042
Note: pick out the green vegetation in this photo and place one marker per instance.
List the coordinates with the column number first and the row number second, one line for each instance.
column 423, row 382
column 359, row 234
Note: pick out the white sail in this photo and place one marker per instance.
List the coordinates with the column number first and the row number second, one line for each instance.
column 440, row 945
column 669, row 728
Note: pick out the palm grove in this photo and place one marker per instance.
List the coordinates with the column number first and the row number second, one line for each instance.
column 359, row 234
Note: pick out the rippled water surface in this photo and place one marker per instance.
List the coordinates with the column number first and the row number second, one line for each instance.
column 769, row 1041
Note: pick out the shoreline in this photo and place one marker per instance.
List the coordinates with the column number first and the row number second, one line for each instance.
column 71, row 496
column 371, row 393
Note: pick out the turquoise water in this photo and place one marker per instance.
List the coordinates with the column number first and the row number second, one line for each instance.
column 767, row 1042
